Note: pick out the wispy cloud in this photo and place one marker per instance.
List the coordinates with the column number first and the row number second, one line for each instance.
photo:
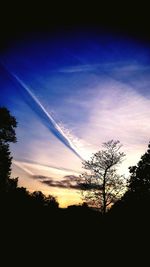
column 112, row 109
column 120, row 112
column 26, row 165
column 22, row 167
column 68, row 182
column 45, row 116
column 79, row 68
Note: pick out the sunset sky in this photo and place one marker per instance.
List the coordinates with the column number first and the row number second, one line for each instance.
column 69, row 94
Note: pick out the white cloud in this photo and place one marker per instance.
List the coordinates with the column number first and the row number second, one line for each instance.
column 118, row 112
column 110, row 110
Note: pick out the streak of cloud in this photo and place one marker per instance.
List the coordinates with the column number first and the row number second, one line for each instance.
column 80, row 68
column 43, row 114
column 68, row 182
column 43, row 166
column 22, row 167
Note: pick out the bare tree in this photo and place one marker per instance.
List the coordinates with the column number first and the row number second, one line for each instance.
column 101, row 185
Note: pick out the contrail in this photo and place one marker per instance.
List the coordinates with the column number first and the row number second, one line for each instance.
column 46, row 118
column 18, row 164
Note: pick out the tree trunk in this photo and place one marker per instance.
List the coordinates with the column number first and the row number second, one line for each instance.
column 104, row 201
column 104, row 193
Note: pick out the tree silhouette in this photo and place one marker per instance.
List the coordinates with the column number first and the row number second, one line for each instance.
column 140, row 175
column 136, row 200
column 51, row 202
column 41, row 200
column 7, row 126
column 14, row 197
column 101, row 185
column 139, row 183
column 7, row 134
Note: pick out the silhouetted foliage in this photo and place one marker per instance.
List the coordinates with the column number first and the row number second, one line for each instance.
column 7, row 126
column 5, row 166
column 137, row 197
column 139, row 181
column 135, row 203
column 101, row 184
column 41, row 200
column 13, row 198
column 38, row 197
column 7, row 134
column 51, row 202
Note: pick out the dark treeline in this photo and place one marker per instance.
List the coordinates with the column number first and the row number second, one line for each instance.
column 36, row 219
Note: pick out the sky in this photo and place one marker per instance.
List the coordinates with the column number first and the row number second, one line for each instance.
column 69, row 94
